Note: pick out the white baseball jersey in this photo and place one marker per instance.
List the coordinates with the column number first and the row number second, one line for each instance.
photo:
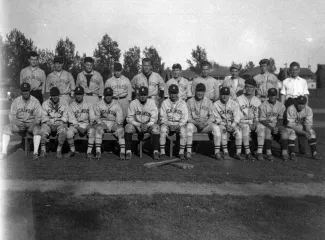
column 211, row 85
column 81, row 114
column 248, row 108
column 226, row 114
column 184, row 87
column 264, row 82
column 25, row 111
column 62, row 80
column 110, row 113
column 35, row 77
column 235, row 91
column 295, row 118
column 271, row 112
column 139, row 113
column 154, row 84
column 174, row 113
column 121, row 87
column 200, row 111
column 96, row 83
column 294, row 87
column 55, row 113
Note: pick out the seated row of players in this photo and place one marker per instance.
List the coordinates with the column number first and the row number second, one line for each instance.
column 222, row 118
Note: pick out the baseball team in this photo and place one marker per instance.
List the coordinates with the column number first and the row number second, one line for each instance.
column 237, row 108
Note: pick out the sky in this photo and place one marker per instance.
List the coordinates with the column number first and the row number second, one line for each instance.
column 229, row 30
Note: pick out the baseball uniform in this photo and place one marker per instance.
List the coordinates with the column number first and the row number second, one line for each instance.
column 93, row 85
column 184, row 87
column 264, row 82
column 236, row 86
column 36, row 78
column 211, row 85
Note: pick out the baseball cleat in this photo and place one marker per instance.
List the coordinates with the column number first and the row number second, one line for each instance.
column 270, row 158
column 59, row 155
column 293, row 157
column 69, row 154
column 250, row 157
column 3, row 156
column 218, row 156
column 226, row 156
column 239, row 157
column 127, row 156
column 285, row 157
column 316, row 157
column 188, row 156
column 89, row 156
column 98, row 155
column 260, row 157
column 35, row 156
column 182, row 157
column 156, row 156
column 43, row 154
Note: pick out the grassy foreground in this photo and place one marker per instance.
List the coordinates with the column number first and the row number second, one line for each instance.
column 58, row 216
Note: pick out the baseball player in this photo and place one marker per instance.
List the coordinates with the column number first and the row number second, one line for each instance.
column 91, row 81
column 227, row 117
column 61, row 79
column 300, row 121
column 81, row 117
column 174, row 116
column 142, row 117
column 109, row 118
column 294, row 86
column 184, row 86
column 54, row 121
column 211, row 84
column 122, row 88
column 271, row 114
column 34, row 76
column 234, row 83
column 25, row 116
column 201, row 119
column 265, row 80
column 153, row 81
column 249, row 105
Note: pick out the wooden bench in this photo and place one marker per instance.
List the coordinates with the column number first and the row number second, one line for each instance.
column 106, row 137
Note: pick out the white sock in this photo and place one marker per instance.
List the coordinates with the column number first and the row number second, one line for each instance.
column 36, row 141
column 5, row 143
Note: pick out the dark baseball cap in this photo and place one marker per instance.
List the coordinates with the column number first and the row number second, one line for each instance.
column 54, row 92
column 79, row 91
column 225, row 91
column 108, row 91
column 272, row 92
column 25, row 87
column 58, row 59
column 200, row 87
column 301, row 100
column 173, row 89
column 143, row 91
column 89, row 59
column 177, row 66
column 118, row 67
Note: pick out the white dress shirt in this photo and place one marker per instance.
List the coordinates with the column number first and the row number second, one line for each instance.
column 294, row 87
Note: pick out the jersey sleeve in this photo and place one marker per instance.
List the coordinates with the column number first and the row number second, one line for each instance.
column 189, row 89
column 96, row 111
column 134, row 83
column 78, row 81
column 161, row 83
column 291, row 117
column 309, row 117
column 101, row 85
column 262, row 113
column 13, row 111
column 71, row 81
column 129, row 89
column 43, row 77
column 47, row 84
column 237, row 113
column 210, row 113
column 216, row 90
column 163, row 113
column 65, row 115
column 184, row 116
column 166, row 95
column 217, row 116
column 119, row 115
column 131, row 115
column 71, row 117
column 38, row 112
column 281, row 111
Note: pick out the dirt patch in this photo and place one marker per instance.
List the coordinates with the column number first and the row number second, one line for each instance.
column 149, row 188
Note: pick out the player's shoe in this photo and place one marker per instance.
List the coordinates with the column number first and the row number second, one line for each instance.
column 98, row 155
column 35, row 156
column 260, row 157
column 182, row 157
column 218, row 156
column 239, row 157
column 316, row 157
column 59, row 155
column 127, row 156
column 43, row 154
column 226, row 156
column 3, row 156
column 89, row 156
column 69, row 154
column 293, row 157
column 270, row 158
column 285, row 157
column 188, row 156
column 156, row 156
column 250, row 157
column 163, row 157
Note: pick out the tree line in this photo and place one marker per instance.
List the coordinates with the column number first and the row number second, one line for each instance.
column 15, row 48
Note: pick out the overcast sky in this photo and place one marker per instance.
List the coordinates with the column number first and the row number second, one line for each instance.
column 286, row 30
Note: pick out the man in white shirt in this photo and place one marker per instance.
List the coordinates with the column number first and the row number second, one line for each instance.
column 294, row 86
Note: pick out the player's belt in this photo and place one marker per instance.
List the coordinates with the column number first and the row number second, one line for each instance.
column 119, row 97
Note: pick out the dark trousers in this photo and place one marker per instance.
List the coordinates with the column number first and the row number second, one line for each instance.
column 37, row 94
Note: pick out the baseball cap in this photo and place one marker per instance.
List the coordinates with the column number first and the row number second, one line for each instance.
column 143, row 91
column 301, row 100
column 272, row 92
column 225, row 91
column 236, row 66
column 108, row 91
column 117, row 67
column 54, row 91
column 177, row 66
column 58, row 59
column 88, row 59
column 79, row 91
column 25, row 87
column 173, row 89
column 200, row 87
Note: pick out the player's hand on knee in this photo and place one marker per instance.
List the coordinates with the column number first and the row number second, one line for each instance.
column 21, row 127
column 144, row 127
column 231, row 129
column 307, row 134
column 16, row 122
column 275, row 130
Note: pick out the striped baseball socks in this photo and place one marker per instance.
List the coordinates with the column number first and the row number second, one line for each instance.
column 122, row 145
column 312, row 144
column 181, row 149
column 162, row 145
column 238, row 145
column 71, row 145
column 291, row 146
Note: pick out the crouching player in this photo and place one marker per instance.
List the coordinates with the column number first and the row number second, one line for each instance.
column 25, row 116
column 300, row 121
column 81, row 117
column 200, row 119
column 54, row 120
column 174, row 116
column 227, row 117
column 142, row 117
column 248, row 105
column 109, row 118
column 271, row 114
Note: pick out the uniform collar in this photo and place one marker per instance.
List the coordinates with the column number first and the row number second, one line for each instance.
column 33, row 69
column 91, row 73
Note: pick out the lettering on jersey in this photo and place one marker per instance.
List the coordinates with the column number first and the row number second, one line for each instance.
column 30, row 111
column 299, row 120
column 30, row 78
column 224, row 112
column 242, row 107
column 59, row 80
column 142, row 113
column 271, row 114
column 78, row 113
column 123, row 86
column 102, row 112
column 174, row 111
column 49, row 111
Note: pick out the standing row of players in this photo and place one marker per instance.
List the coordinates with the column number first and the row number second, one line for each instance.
column 92, row 83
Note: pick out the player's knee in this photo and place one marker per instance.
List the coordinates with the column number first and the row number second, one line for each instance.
column 155, row 129
column 163, row 130
column 70, row 134
column 245, row 129
column 190, row 129
column 216, row 130
column 120, row 132
column 129, row 128
column 7, row 129
column 291, row 134
column 91, row 132
column 238, row 134
column 182, row 132
column 284, row 133
column 260, row 130
column 37, row 130
column 99, row 129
